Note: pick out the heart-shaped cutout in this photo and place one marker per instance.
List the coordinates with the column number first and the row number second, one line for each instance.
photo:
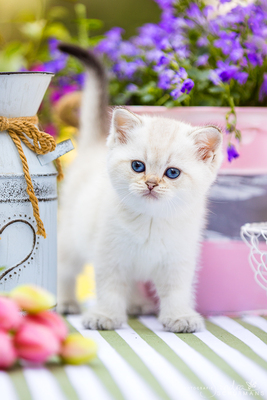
column 17, row 243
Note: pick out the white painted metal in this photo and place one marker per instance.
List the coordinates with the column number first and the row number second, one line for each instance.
column 61, row 149
column 254, row 235
column 24, row 256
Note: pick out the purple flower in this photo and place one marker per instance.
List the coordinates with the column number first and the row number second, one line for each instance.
column 150, row 35
column 227, row 73
column 236, row 54
column 244, row 62
column 207, row 10
column 163, row 61
column 52, row 45
column 231, row 152
column 241, row 77
column 115, row 33
column 56, row 65
column 169, row 22
column 194, row 13
column 80, row 79
column 58, row 92
column 202, row 60
column 128, row 49
column 154, row 55
column 187, row 86
column 182, row 74
column 51, row 130
column 227, row 42
column 175, row 93
column 263, row 89
column 213, row 76
column 131, row 87
column 225, row 1
column 59, row 59
column 166, row 4
column 255, row 59
column 202, row 41
column 111, row 44
column 165, row 79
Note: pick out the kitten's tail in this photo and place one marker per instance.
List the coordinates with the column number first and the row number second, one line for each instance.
column 93, row 113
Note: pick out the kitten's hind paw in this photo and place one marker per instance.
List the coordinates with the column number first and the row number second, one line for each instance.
column 98, row 321
column 184, row 324
column 68, row 307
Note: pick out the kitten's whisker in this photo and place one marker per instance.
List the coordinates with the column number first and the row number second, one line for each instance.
column 127, row 195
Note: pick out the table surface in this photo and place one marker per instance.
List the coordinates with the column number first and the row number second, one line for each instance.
column 141, row 361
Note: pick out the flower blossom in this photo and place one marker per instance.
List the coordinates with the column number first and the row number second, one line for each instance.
column 187, row 86
column 232, row 152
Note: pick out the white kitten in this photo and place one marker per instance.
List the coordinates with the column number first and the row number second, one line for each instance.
column 136, row 209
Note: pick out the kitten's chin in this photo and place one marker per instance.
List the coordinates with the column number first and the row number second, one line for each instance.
column 151, row 195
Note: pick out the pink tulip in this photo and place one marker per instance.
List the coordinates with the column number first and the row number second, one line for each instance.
column 32, row 299
column 10, row 317
column 51, row 320
column 77, row 349
column 7, row 351
column 35, row 342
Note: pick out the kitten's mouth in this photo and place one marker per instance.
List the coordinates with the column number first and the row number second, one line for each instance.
column 150, row 194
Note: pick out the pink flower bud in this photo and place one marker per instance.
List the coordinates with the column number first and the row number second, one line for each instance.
column 77, row 349
column 35, row 342
column 51, row 320
column 7, row 351
column 10, row 317
column 32, row 299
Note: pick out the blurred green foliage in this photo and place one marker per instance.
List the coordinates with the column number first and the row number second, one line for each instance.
column 35, row 31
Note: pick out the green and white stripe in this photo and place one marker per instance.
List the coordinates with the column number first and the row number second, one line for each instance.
column 7, row 389
column 212, row 377
column 141, row 361
column 123, row 374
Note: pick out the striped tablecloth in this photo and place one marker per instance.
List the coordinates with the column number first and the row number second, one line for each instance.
column 143, row 362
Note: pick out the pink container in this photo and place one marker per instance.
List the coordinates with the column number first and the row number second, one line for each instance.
column 226, row 282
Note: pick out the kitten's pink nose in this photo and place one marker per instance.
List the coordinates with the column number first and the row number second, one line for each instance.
column 151, row 182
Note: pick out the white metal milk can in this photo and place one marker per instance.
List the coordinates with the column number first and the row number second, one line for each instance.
column 25, row 256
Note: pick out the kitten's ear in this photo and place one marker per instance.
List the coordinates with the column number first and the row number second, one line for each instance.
column 123, row 121
column 208, row 140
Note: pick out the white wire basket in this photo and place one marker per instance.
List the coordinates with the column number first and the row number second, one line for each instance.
column 255, row 237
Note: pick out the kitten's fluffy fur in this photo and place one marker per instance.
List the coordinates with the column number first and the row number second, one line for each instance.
column 109, row 218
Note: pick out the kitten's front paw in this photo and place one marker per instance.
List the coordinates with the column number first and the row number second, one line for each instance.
column 99, row 321
column 68, row 307
column 184, row 324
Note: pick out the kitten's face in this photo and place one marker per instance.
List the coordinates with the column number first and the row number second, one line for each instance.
column 154, row 164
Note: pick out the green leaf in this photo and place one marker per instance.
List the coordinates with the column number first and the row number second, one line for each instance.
column 93, row 41
column 57, row 30
column 147, row 98
column 93, row 24
column 182, row 98
column 216, row 89
column 57, row 12
column 170, row 104
column 198, row 74
column 202, row 85
column 12, row 57
column 34, row 30
column 25, row 17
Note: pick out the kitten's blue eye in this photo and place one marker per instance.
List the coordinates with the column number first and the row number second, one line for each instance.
column 172, row 173
column 138, row 166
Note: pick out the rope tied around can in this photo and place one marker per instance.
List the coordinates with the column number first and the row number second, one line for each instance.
column 23, row 129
